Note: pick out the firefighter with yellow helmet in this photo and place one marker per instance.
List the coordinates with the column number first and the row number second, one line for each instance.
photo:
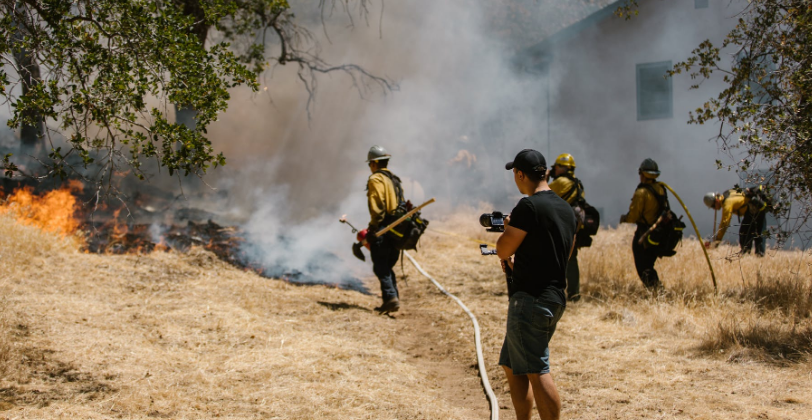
column 564, row 183
column 751, row 206
column 644, row 211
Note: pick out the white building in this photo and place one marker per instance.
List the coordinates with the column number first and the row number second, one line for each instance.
column 610, row 105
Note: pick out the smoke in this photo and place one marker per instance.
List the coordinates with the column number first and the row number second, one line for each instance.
column 462, row 111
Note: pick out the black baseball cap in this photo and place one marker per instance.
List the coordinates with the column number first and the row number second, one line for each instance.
column 528, row 160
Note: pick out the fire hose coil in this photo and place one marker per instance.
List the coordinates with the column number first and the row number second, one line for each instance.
column 483, row 373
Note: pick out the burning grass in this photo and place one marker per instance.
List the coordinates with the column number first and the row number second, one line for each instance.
column 52, row 211
column 100, row 229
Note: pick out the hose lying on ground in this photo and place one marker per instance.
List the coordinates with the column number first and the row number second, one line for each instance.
column 698, row 236
column 483, row 374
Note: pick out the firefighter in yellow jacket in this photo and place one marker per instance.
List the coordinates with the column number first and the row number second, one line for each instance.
column 751, row 212
column 567, row 186
column 644, row 212
column 384, row 193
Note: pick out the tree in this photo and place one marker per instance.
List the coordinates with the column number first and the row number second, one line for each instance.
column 764, row 112
column 111, row 67
column 28, row 69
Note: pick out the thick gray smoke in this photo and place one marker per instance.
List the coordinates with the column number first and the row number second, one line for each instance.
column 461, row 112
column 463, row 109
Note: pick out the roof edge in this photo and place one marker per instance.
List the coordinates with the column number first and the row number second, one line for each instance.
column 538, row 56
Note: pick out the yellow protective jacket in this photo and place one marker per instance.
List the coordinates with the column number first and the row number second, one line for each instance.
column 644, row 208
column 562, row 186
column 381, row 198
column 734, row 203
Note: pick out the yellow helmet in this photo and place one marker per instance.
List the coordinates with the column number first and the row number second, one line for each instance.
column 565, row 159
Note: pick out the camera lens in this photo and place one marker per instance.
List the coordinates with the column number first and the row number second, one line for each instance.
column 485, row 220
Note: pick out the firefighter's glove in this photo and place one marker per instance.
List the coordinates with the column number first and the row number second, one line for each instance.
column 711, row 244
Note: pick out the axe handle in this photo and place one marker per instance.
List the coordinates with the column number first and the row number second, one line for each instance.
column 400, row 220
column 651, row 229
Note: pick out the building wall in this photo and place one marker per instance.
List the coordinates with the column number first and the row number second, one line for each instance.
column 593, row 105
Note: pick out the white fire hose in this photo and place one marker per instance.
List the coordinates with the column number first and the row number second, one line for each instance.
column 483, row 374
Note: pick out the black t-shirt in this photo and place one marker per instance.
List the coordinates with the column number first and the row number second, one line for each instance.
column 540, row 263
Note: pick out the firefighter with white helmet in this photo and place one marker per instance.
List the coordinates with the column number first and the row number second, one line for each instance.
column 751, row 206
column 383, row 196
column 564, row 183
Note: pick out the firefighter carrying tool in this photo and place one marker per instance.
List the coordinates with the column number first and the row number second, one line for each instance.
column 403, row 226
column 658, row 229
column 364, row 237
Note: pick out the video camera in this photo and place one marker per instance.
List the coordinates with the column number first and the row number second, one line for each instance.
column 495, row 222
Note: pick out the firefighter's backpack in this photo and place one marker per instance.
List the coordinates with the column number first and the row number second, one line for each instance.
column 668, row 233
column 588, row 217
column 759, row 200
column 407, row 234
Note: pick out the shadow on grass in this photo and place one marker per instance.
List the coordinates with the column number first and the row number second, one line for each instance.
column 342, row 306
column 784, row 292
column 756, row 340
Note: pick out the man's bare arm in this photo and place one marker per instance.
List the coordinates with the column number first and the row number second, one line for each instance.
column 509, row 242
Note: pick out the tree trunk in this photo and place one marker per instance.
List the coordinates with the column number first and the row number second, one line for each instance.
column 30, row 78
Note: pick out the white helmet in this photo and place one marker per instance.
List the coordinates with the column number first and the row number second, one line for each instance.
column 710, row 199
column 377, row 153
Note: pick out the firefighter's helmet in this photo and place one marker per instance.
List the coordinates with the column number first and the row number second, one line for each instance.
column 710, row 199
column 649, row 169
column 377, row 153
column 566, row 160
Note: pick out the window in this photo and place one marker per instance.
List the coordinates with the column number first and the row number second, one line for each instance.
column 654, row 91
column 700, row 4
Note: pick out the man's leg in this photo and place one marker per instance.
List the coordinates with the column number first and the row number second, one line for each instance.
column 644, row 260
column 746, row 233
column 520, row 394
column 394, row 254
column 760, row 241
column 382, row 267
column 548, row 402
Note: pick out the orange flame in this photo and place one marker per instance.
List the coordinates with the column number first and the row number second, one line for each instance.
column 53, row 211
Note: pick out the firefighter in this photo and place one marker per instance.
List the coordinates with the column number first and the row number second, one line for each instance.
column 644, row 211
column 752, row 212
column 567, row 186
column 383, row 193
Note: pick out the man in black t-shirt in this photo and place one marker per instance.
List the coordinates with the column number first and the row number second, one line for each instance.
column 541, row 234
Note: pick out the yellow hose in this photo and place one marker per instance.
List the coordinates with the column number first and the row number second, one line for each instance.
column 707, row 258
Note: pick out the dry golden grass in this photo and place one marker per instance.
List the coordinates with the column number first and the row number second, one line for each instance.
column 622, row 353
column 187, row 336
